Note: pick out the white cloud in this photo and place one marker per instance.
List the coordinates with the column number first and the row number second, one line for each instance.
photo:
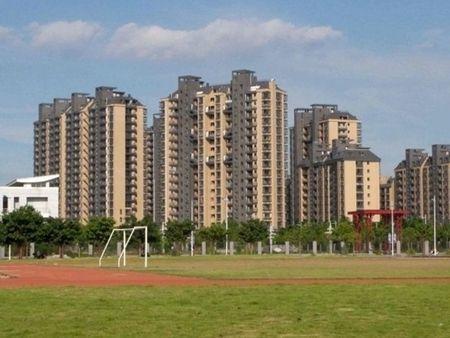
column 63, row 34
column 218, row 37
column 7, row 35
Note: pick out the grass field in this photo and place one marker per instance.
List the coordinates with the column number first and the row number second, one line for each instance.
column 388, row 310
column 276, row 311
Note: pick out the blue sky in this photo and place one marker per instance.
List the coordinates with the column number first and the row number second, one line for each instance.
column 385, row 61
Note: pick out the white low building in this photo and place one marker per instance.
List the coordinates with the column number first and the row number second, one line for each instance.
column 41, row 192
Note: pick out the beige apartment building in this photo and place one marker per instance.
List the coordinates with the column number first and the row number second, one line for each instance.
column 97, row 145
column 332, row 173
column 420, row 178
column 221, row 151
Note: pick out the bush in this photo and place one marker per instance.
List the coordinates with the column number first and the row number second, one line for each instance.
column 411, row 252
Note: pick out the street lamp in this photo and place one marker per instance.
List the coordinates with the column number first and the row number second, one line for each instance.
column 434, row 227
column 329, row 232
column 392, row 230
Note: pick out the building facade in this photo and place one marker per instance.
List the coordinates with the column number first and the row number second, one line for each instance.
column 331, row 172
column 40, row 192
column 97, row 145
column 221, row 151
column 420, row 178
column 387, row 193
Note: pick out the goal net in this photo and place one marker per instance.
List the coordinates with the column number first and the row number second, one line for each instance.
column 126, row 234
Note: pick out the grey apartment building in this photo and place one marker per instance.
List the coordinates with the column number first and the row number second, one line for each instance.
column 420, row 178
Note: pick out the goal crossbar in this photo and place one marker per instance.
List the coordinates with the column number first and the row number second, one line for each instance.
column 125, row 243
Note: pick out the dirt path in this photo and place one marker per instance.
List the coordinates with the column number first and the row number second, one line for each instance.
column 23, row 275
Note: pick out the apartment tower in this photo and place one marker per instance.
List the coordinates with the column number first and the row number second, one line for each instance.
column 97, row 146
column 332, row 173
column 387, row 193
column 420, row 178
column 222, row 151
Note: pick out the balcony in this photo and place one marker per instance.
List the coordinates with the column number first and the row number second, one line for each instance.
column 173, row 122
column 209, row 160
column 194, row 159
column 228, row 108
column 193, row 136
column 227, row 133
column 210, row 136
column 193, row 112
column 227, row 159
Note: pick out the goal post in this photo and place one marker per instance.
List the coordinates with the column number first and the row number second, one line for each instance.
column 126, row 240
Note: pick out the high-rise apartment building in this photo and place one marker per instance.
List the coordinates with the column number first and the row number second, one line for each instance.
column 387, row 193
column 221, row 151
column 411, row 186
column 97, row 146
column 148, row 172
column 420, row 178
column 331, row 173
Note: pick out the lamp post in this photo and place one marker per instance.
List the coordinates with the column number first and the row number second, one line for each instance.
column 226, row 225
column 329, row 232
column 392, row 231
column 434, row 227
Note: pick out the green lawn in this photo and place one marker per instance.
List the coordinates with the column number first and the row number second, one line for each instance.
column 275, row 311
column 278, row 266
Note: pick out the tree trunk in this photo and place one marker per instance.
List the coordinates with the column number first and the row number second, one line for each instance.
column 21, row 251
column 61, row 251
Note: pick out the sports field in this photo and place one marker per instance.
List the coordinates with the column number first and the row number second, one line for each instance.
column 241, row 296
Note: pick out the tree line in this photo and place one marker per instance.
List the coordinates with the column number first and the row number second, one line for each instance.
column 25, row 225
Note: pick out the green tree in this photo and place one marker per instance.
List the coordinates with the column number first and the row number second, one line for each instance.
column 344, row 231
column 423, row 231
column 284, row 234
column 318, row 231
column 233, row 230
column 213, row 235
column 367, row 234
column 409, row 235
column 443, row 235
column 59, row 232
column 20, row 227
column 177, row 233
column 153, row 232
column 253, row 231
column 2, row 232
column 98, row 230
column 380, row 235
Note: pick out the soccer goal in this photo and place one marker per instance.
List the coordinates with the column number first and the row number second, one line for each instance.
column 126, row 239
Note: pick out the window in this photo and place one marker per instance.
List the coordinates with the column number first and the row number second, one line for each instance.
column 5, row 204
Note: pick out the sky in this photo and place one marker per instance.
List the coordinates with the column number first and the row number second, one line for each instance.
column 387, row 62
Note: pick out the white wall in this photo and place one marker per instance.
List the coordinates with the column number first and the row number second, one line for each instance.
column 48, row 208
